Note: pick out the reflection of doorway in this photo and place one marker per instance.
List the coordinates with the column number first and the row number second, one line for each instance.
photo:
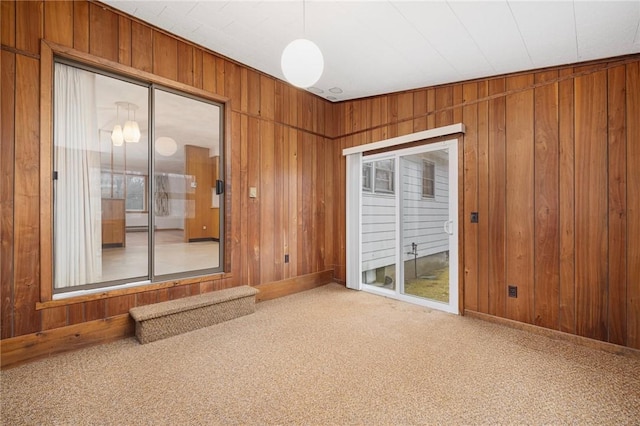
column 408, row 223
column 202, row 218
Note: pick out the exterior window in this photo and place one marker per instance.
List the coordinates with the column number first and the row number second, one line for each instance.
column 132, row 188
column 366, row 177
column 378, row 176
column 384, row 171
column 114, row 220
column 428, row 179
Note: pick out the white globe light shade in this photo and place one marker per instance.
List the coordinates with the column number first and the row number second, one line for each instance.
column 302, row 63
column 166, row 146
column 116, row 135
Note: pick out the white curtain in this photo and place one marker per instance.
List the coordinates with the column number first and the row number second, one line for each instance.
column 77, row 231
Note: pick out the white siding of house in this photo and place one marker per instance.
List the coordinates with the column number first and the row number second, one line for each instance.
column 423, row 217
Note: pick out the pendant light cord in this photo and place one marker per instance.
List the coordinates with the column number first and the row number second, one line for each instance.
column 304, row 18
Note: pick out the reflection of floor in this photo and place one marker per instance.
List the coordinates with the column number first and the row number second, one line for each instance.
column 172, row 255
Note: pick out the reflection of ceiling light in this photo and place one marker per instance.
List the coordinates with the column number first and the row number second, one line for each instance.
column 131, row 130
column 166, row 146
column 116, row 135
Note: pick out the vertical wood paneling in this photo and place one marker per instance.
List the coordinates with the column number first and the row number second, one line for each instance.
column 185, row 63
column 244, row 199
column 254, row 221
column 567, row 204
column 165, row 55
column 329, row 203
column 7, row 150
column 458, row 98
column 497, row 200
column 234, row 194
column 54, row 317
column 75, row 314
column 633, row 204
column 233, row 83
column 546, row 157
column 146, row 298
column 141, row 47
column 96, row 309
column 405, row 113
column 58, row 22
column 26, row 251
column 470, row 198
column 279, row 215
column 197, row 69
column 124, row 40
column 519, row 197
column 253, row 92
column 444, row 100
column 209, row 72
column 29, row 25
column 420, row 110
column 103, row 32
column 220, row 76
column 319, row 207
column 121, row 304
column 305, row 200
column 267, row 203
column 591, row 205
column 293, row 171
column 267, row 97
column 8, row 23
column 483, row 199
column 392, row 116
column 81, row 26
column 617, row 167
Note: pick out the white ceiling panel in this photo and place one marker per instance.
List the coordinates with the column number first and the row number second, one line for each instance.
column 544, row 24
column 606, row 27
column 375, row 47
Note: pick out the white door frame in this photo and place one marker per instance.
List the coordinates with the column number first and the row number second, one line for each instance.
column 354, row 225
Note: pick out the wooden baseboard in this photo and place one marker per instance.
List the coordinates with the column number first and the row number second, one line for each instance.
column 30, row 347
column 277, row 289
column 556, row 334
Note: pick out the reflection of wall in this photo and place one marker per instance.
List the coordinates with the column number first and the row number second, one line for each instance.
column 202, row 221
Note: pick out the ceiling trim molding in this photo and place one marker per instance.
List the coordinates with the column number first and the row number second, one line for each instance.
column 400, row 140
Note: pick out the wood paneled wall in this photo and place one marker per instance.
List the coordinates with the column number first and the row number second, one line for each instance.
column 551, row 162
column 277, row 144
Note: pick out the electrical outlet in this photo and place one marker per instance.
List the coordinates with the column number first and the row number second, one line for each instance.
column 286, row 258
column 474, row 217
column 513, row 291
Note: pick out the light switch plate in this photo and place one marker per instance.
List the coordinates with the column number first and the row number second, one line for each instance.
column 253, row 192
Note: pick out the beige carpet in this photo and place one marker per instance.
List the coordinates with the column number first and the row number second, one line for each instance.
column 330, row 356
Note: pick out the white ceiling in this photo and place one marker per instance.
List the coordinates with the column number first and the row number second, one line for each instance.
column 375, row 47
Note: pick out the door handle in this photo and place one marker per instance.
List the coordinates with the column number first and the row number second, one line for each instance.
column 447, row 227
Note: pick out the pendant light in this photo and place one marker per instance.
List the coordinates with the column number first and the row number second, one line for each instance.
column 302, row 62
column 117, row 138
column 131, row 131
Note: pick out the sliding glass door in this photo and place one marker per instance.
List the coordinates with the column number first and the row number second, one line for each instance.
column 409, row 225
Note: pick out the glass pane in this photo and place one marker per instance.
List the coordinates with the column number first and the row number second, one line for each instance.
column 187, row 162
column 379, row 239
column 91, row 239
column 425, row 242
